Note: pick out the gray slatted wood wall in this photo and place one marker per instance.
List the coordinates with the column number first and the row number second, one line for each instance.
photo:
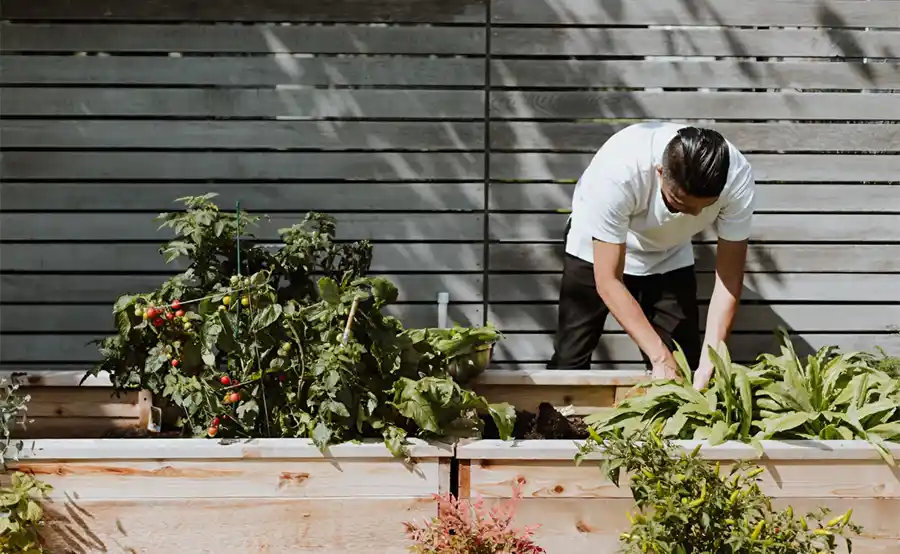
column 379, row 112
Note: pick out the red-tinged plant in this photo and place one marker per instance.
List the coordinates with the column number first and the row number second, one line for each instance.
column 470, row 527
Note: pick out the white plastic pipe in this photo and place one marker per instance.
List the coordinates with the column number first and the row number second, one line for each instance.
column 443, row 300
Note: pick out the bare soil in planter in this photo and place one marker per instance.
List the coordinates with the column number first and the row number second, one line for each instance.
column 547, row 423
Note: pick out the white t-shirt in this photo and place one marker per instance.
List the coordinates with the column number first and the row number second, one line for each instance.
column 618, row 199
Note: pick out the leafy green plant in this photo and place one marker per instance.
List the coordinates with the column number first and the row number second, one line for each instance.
column 831, row 396
column 251, row 341
column 12, row 409
column 21, row 515
column 687, row 505
column 470, row 527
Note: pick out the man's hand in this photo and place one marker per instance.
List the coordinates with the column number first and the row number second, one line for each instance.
column 703, row 374
column 665, row 368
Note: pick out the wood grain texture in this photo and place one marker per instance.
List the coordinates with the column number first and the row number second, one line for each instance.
column 232, row 526
column 807, row 227
column 463, row 287
column 580, row 400
column 80, row 318
column 829, row 106
column 789, row 287
column 221, row 102
column 693, row 74
column 171, row 479
column 256, row 135
column 469, row 11
column 278, row 69
column 257, row 197
column 417, row 227
column 799, row 197
column 744, row 348
column 592, row 526
column 391, row 166
column 825, row 42
column 766, row 167
column 787, row 13
column 761, row 258
column 799, row 318
column 73, row 411
column 245, row 39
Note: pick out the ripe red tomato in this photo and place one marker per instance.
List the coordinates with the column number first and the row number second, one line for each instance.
column 176, row 305
column 225, row 380
column 175, row 362
column 170, row 316
column 212, row 431
column 235, row 397
column 157, row 322
column 179, row 313
column 151, row 312
column 215, row 422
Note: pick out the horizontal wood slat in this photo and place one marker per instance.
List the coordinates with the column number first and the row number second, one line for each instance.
column 703, row 41
column 391, row 166
column 470, row 11
column 766, row 167
column 798, row 318
column 138, row 258
column 765, row 258
column 245, row 39
column 527, row 347
column 766, row 227
column 98, row 318
column 224, row 103
column 785, row 13
column 94, row 287
column 255, row 197
column 212, row 134
column 534, row 347
column 769, row 197
column 694, row 74
column 138, row 226
column 829, row 106
column 780, row 287
column 242, row 71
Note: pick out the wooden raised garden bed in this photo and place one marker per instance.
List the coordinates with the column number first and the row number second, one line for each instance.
column 580, row 512
column 159, row 496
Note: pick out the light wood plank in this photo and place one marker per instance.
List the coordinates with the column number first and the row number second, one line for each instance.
column 766, row 167
column 688, row 74
column 462, row 287
column 258, row 197
column 790, row 287
column 837, row 197
column 232, row 526
column 800, row 318
column 766, row 106
column 578, row 400
column 137, row 258
column 98, row 318
column 549, row 377
column 822, row 42
column 591, row 526
column 284, row 102
column 535, row 347
column 387, row 166
column 199, row 479
column 855, row 228
column 75, row 401
column 140, row 226
column 242, row 71
column 406, row 11
column 766, row 258
column 212, row 134
column 256, row 39
column 787, row 13
column 71, row 427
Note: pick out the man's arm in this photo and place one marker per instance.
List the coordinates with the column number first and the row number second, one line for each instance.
column 609, row 265
column 731, row 256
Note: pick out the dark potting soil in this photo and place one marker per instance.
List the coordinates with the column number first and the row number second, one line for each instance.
column 547, row 423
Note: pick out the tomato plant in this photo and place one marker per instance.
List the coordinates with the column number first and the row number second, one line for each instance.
column 262, row 348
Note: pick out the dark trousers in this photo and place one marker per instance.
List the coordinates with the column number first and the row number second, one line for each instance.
column 669, row 301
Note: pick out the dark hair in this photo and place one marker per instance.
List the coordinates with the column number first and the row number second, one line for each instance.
column 697, row 160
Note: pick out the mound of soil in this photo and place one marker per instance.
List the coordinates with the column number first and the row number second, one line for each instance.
column 547, row 423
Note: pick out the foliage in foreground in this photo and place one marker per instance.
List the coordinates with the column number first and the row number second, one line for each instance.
column 252, row 341
column 687, row 505
column 829, row 396
column 21, row 515
column 464, row 527
column 12, row 407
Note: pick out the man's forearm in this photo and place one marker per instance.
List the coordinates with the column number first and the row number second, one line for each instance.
column 630, row 316
column 722, row 308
